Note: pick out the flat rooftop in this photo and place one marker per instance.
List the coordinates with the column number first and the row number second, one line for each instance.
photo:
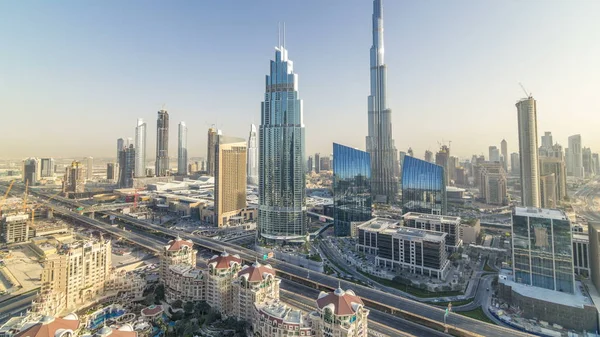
column 379, row 224
column 544, row 213
column 434, row 217
column 418, row 233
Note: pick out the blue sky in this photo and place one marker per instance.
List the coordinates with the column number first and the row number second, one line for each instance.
column 75, row 75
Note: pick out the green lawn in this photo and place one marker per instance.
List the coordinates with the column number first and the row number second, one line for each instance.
column 476, row 314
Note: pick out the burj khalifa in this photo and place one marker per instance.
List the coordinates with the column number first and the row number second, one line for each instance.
column 380, row 145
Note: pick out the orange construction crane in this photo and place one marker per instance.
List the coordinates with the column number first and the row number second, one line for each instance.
column 44, row 203
column 6, row 196
column 25, row 196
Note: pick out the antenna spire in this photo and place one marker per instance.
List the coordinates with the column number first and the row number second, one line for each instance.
column 284, row 34
column 278, row 34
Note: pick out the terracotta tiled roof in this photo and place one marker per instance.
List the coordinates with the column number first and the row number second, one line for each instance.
column 152, row 310
column 178, row 243
column 342, row 303
column 257, row 272
column 224, row 261
column 49, row 326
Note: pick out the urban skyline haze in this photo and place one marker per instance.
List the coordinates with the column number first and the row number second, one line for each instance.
column 69, row 73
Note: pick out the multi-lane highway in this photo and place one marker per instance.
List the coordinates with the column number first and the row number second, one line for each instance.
column 384, row 323
column 400, row 306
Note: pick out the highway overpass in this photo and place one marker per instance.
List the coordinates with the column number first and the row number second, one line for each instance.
column 405, row 308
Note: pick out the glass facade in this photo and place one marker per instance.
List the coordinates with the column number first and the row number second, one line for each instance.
column 140, row 148
column 380, row 144
column 182, row 156
column 543, row 251
column 351, row 188
column 282, row 181
column 423, row 187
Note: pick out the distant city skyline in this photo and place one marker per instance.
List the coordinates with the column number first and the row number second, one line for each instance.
column 467, row 79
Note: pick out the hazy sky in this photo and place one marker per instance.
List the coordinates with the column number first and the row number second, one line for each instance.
column 75, row 75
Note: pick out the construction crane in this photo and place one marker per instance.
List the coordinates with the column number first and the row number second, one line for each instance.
column 528, row 95
column 44, row 203
column 25, row 196
column 6, row 196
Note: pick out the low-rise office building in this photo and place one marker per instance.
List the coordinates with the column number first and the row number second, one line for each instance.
column 415, row 250
column 437, row 223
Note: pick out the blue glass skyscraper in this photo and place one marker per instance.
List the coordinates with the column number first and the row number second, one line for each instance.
column 542, row 249
column 385, row 168
column 282, row 181
column 423, row 187
column 352, row 201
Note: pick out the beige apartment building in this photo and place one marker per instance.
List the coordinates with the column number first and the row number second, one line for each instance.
column 340, row 314
column 275, row 319
column 73, row 275
column 230, row 178
column 222, row 270
column 176, row 252
column 185, row 283
column 254, row 284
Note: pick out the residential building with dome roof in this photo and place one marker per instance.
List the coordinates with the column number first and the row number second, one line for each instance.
column 222, row 270
column 49, row 326
column 340, row 313
column 254, row 284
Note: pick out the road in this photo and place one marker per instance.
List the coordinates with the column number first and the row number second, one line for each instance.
column 473, row 291
column 398, row 303
column 390, row 300
column 379, row 321
column 12, row 307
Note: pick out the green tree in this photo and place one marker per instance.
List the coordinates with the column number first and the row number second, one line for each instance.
column 160, row 292
column 188, row 308
column 178, row 304
column 202, row 307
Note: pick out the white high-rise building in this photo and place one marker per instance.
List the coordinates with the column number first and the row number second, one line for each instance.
column 576, row 156
column 528, row 151
column 182, row 156
column 547, row 140
column 89, row 168
column 252, row 163
column 494, row 154
column 140, row 149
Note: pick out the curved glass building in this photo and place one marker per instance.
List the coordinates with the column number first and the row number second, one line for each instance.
column 423, row 187
column 352, row 201
column 282, row 203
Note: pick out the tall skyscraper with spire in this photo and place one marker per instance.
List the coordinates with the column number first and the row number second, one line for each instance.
column 252, row 169
column 162, row 143
column 282, row 203
column 380, row 145
column 140, row 148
